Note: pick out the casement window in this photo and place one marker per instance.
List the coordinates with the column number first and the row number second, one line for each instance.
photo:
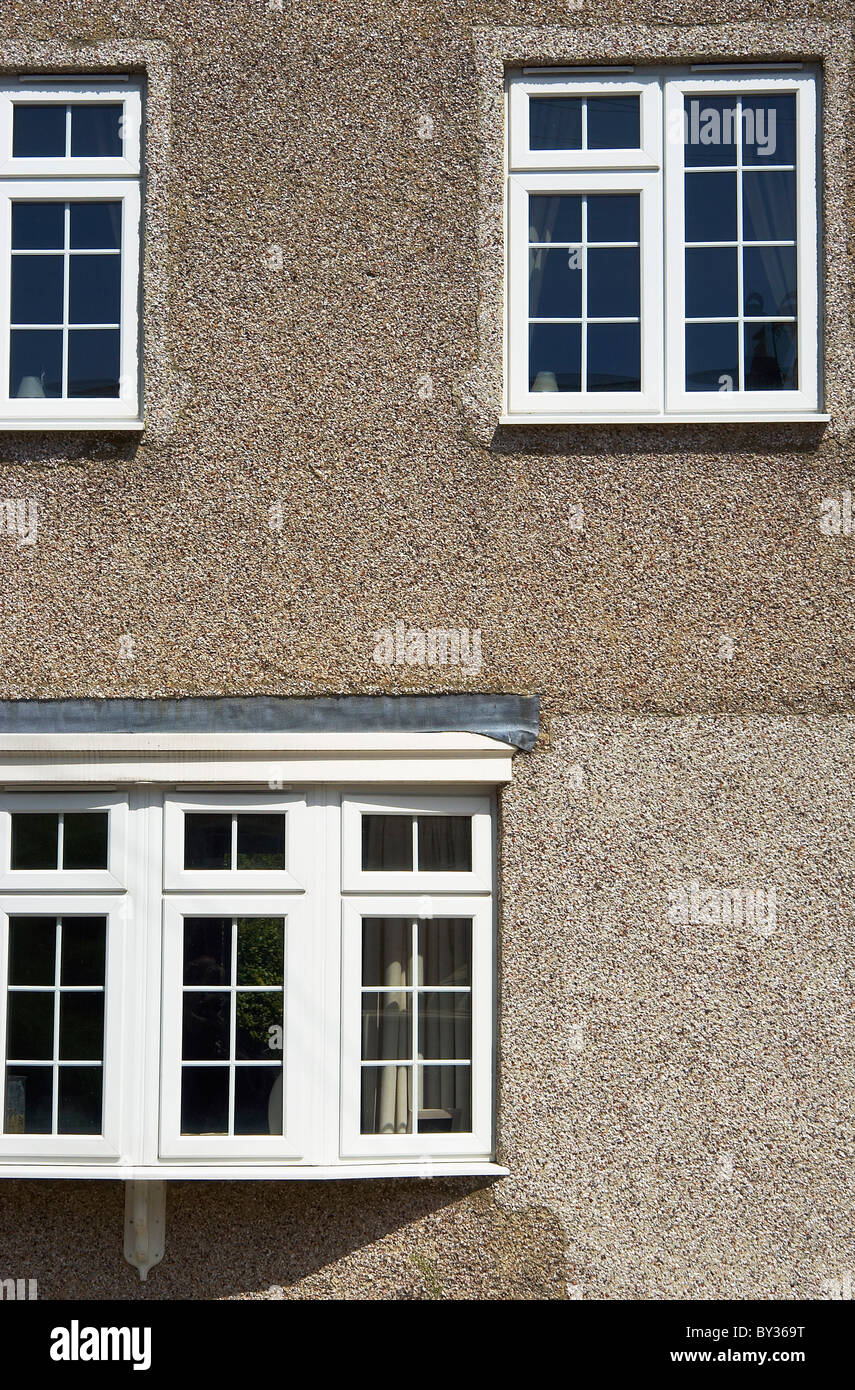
column 662, row 246
column 228, row 981
column 69, row 253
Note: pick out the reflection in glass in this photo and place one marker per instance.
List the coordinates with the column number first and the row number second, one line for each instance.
column 555, row 357
column 206, row 1023
column 555, row 217
column 260, row 951
column 711, row 207
column 555, row 283
column 712, row 356
column 771, row 356
column 769, row 281
column 555, row 123
column 258, row 1100
column 261, row 841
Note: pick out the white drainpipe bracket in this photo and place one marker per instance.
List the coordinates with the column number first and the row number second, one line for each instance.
column 145, row 1224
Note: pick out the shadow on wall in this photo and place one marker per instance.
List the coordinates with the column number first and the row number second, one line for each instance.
column 397, row 1240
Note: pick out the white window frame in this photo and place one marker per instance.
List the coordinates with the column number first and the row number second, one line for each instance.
column 75, row 180
column 356, row 879
column 661, row 162
column 111, row 879
column 177, row 878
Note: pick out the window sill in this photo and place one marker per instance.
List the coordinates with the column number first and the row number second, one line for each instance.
column 105, row 426
column 255, row 1172
column 746, row 418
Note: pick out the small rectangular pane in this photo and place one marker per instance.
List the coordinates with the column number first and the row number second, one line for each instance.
column 84, row 948
column 445, row 1100
column 84, row 840
column 711, row 282
column 80, row 1100
column 206, row 1022
column 207, row 840
column 712, row 357
column 555, row 217
column 32, row 950
column 94, row 289
column 445, row 844
column 35, row 840
column 769, row 205
column 207, row 950
column 614, row 282
column 711, row 206
column 613, row 216
column 29, row 1100
column 387, row 1100
column 204, row 1100
column 387, row 843
column 769, row 281
column 555, row 123
column 387, row 1026
column 38, row 132
column 445, row 1026
column 258, row 1025
column 95, row 226
column 81, row 1026
column 37, row 289
column 387, row 951
column 29, row 1029
column 769, row 129
column 35, row 367
column 445, row 951
column 555, row 357
column 711, row 131
column 96, row 130
column 555, row 283
column 614, row 123
column 258, row 1100
column 260, row 950
column 614, row 357
column 771, row 357
column 38, row 226
column 93, row 363
column 261, row 841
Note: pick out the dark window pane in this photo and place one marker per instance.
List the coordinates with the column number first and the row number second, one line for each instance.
column 260, row 951
column 258, row 1100
column 80, row 1100
column 84, row 946
column 257, row 1013
column 387, row 951
column 555, row 283
column 387, row 1100
column 712, row 353
column 32, row 950
column 445, row 951
column 206, row 1026
column 711, row 285
column 94, row 289
column 81, row 1026
column 555, row 357
column 445, row 1100
column 36, row 363
column 38, row 131
column 555, row 217
column 207, row 950
column 711, row 207
column 204, row 1100
column 29, row 1098
column 555, row 123
column 445, row 842
column 261, row 841
column 771, row 357
column 614, row 123
column 95, row 226
column 37, row 283
column 613, row 216
column 769, row 281
column 29, row 1034
column 38, row 226
column 445, row 1026
column 769, row 130
column 614, row 283
column 84, row 840
column 614, row 357
column 35, row 839
column 93, row 362
column 710, row 129
column 207, row 840
column 769, row 205
column 96, row 131
column 387, row 843
column 387, row 1026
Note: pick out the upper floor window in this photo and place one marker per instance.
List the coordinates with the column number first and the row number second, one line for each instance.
column 662, row 257
column 69, row 253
